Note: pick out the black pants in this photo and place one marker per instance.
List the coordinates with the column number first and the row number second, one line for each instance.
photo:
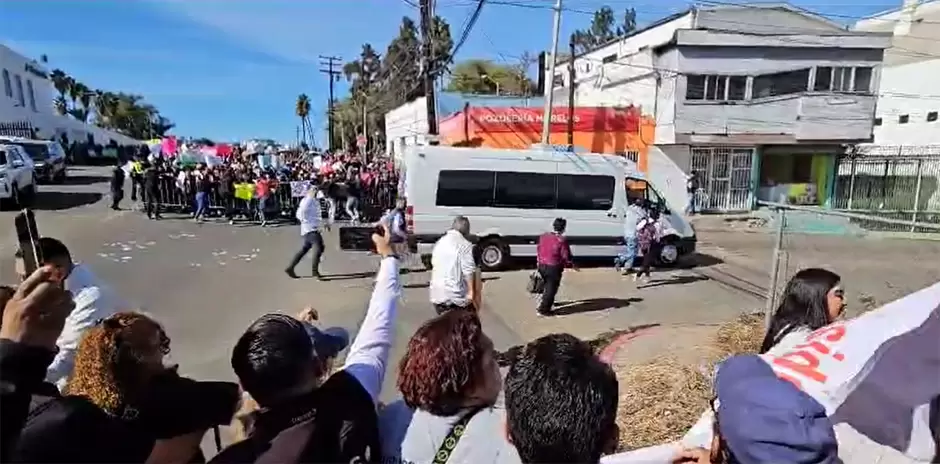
column 442, row 308
column 116, row 197
column 649, row 257
column 151, row 204
column 552, row 277
column 228, row 203
column 135, row 187
column 311, row 240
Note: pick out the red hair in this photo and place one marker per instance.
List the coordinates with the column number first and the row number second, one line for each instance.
column 443, row 363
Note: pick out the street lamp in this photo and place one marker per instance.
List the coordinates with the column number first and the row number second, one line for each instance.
column 487, row 77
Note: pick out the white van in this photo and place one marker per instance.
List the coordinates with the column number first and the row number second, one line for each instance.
column 512, row 196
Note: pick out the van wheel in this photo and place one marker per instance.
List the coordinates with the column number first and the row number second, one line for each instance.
column 494, row 256
column 426, row 261
column 668, row 253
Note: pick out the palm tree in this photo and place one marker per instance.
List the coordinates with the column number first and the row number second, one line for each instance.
column 59, row 81
column 302, row 109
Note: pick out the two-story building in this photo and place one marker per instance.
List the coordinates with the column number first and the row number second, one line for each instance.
column 755, row 102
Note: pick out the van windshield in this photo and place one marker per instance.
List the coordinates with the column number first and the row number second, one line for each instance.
column 639, row 189
column 36, row 151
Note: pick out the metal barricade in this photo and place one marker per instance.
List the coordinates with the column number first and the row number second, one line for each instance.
column 170, row 198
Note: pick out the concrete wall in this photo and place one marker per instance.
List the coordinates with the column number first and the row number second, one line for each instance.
column 406, row 126
column 808, row 116
column 910, row 90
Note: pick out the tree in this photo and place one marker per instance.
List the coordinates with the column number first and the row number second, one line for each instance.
column 302, row 110
column 604, row 29
column 487, row 77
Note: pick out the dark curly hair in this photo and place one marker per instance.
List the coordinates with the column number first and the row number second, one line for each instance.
column 109, row 362
column 443, row 363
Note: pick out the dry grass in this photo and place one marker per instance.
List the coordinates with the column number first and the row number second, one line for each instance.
column 661, row 400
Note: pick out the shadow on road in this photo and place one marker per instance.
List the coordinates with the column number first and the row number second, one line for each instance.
column 57, row 201
column 696, row 260
column 351, row 276
column 565, row 308
column 78, row 179
column 677, row 280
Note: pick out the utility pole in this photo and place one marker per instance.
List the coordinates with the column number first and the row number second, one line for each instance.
column 331, row 63
column 571, row 83
column 427, row 70
column 550, row 78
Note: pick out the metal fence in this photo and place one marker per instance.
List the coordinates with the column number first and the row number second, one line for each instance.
column 878, row 269
column 901, row 183
column 283, row 202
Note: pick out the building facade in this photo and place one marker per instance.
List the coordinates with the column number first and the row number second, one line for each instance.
column 407, row 125
column 755, row 102
column 27, row 104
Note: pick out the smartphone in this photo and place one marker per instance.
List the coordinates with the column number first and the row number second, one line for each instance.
column 358, row 238
column 27, row 236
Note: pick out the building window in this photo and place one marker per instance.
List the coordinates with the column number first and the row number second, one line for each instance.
column 7, row 86
column 843, row 79
column 785, row 83
column 932, row 116
column 19, row 90
column 878, row 121
column 609, row 58
column 715, row 88
column 903, row 119
column 862, row 80
column 31, row 95
column 559, row 80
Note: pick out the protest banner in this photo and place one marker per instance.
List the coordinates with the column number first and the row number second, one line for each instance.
column 876, row 375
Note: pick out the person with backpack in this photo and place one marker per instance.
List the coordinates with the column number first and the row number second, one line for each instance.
column 649, row 236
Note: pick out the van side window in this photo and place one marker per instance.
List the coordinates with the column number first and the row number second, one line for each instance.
column 465, row 188
column 585, row 192
column 525, row 190
column 3, row 158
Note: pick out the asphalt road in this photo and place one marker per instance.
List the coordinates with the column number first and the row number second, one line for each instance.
column 207, row 282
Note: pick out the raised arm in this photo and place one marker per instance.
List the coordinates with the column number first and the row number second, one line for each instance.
column 368, row 356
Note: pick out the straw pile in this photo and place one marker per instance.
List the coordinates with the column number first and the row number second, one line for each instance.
column 662, row 399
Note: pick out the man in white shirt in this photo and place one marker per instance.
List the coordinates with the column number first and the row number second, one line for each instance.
column 308, row 213
column 453, row 269
column 93, row 300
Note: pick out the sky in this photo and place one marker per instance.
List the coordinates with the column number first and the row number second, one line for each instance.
column 232, row 69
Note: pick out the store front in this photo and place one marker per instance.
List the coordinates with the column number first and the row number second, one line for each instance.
column 796, row 175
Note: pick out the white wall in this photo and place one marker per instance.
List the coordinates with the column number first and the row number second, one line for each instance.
column 43, row 117
column 898, row 95
column 406, row 125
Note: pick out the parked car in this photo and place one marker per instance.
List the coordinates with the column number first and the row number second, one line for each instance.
column 17, row 176
column 47, row 156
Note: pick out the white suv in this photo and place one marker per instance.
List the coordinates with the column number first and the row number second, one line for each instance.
column 17, row 176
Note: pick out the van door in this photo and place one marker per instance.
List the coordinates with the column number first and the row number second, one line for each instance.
column 592, row 205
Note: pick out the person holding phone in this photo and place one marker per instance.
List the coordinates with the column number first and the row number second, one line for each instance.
column 93, row 300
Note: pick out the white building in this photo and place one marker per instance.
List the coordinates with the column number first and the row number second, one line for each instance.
column 908, row 97
column 26, row 99
column 756, row 101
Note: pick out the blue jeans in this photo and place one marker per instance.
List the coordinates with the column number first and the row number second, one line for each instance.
column 262, row 206
column 201, row 204
column 626, row 258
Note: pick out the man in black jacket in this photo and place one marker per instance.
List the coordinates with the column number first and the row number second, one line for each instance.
column 117, row 186
column 152, row 191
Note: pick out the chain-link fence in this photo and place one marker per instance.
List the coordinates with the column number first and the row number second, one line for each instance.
column 874, row 270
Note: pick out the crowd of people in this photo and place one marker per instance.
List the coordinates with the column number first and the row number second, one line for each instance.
column 85, row 379
column 242, row 187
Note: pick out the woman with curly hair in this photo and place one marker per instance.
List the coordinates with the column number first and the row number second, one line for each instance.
column 450, row 379
column 122, row 404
